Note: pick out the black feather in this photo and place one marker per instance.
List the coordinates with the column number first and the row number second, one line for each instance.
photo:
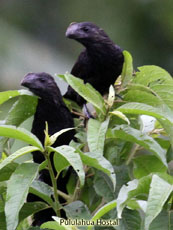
column 99, row 64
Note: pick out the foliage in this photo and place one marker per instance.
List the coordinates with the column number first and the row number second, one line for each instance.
column 122, row 171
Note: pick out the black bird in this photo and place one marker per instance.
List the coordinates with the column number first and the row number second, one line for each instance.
column 99, row 64
column 52, row 109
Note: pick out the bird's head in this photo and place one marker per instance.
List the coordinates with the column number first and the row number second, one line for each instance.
column 85, row 33
column 41, row 84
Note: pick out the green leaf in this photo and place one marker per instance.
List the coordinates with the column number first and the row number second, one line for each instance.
column 161, row 222
column 151, row 75
column 34, row 228
column 17, row 191
column 54, row 225
column 158, row 194
column 2, row 220
column 43, row 165
column 146, row 164
column 120, row 115
column 103, row 186
column 61, row 76
column 54, row 137
column 77, row 210
column 2, row 213
column 21, row 134
column 164, row 115
column 140, row 95
column 72, row 105
column 18, row 153
column 154, row 86
column 86, row 91
column 3, row 186
column 6, row 95
column 127, row 73
column 6, row 172
column 21, row 110
column 122, row 176
column 81, row 136
column 104, row 209
column 137, row 204
column 131, row 220
column 42, row 190
column 47, row 138
column 111, row 96
column 131, row 190
column 73, row 158
column 96, row 135
column 30, row 208
column 123, row 195
column 60, row 162
column 170, row 221
column 88, row 194
column 58, row 225
column 99, row 162
column 130, row 134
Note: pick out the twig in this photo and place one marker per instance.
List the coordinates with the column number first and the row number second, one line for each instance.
column 100, row 205
column 76, row 191
column 54, row 183
column 132, row 153
column 64, row 195
column 78, row 114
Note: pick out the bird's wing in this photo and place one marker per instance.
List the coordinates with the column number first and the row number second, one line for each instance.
column 80, row 67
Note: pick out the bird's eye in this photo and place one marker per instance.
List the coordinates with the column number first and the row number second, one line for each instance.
column 85, row 29
column 42, row 80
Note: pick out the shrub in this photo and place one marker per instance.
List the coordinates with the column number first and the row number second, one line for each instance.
column 123, row 159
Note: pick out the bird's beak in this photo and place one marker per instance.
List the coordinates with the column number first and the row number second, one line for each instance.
column 71, row 30
column 28, row 80
column 23, row 82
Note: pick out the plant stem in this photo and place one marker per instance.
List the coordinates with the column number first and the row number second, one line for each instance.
column 100, row 205
column 77, row 191
column 64, row 195
column 78, row 114
column 171, row 202
column 132, row 153
column 54, row 184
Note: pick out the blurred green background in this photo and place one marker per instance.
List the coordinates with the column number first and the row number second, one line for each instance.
column 32, row 33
